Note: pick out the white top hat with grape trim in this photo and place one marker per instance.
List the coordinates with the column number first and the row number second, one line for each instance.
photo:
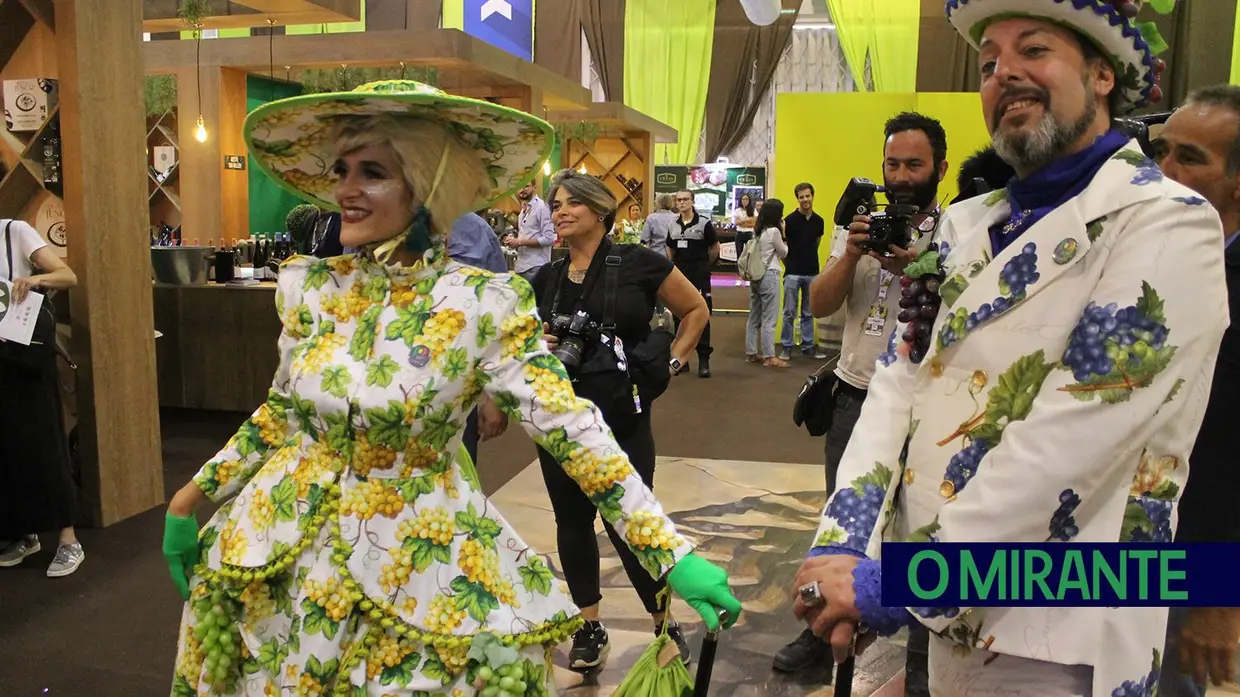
column 1110, row 24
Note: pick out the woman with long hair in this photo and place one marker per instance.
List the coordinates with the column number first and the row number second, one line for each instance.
column 583, row 210
column 355, row 552
column 744, row 217
column 764, row 294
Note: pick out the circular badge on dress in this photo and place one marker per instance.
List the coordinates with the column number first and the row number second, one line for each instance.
column 419, row 356
column 1065, row 250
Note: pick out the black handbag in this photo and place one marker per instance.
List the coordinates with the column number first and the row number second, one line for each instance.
column 815, row 405
column 42, row 348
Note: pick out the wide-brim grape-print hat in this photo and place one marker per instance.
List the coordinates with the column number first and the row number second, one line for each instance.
column 289, row 140
column 1110, row 24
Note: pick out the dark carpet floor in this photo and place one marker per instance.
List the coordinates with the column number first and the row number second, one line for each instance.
column 110, row 629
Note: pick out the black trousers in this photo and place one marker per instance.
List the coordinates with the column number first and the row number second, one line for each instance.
column 574, row 522
column 470, row 439
column 698, row 273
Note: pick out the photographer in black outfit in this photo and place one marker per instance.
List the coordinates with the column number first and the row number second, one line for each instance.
column 597, row 305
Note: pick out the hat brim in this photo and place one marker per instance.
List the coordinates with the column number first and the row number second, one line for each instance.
column 1115, row 35
column 289, row 139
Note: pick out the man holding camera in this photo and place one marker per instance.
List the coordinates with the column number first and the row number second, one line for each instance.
column 693, row 248
column 1056, row 393
column 1197, row 148
column 860, row 278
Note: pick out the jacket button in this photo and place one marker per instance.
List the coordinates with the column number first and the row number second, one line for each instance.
column 908, row 477
column 979, row 379
column 936, row 368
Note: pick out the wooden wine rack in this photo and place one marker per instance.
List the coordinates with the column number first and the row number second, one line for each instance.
column 21, row 153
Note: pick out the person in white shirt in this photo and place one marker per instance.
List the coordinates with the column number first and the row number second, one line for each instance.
column 535, row 234
column 659, row 223
column 764, row 294
column 744, row 217
column 36, row 481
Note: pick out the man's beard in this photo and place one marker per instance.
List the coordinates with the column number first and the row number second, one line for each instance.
column 920, row 194
column 1031, row 150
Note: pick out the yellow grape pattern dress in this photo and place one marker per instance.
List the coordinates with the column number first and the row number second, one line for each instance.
column 354, row 554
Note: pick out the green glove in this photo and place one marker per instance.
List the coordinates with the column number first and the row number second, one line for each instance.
column 181, row 549
column 705, row 587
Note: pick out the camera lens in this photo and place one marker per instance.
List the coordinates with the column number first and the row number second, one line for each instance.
column 569, row 353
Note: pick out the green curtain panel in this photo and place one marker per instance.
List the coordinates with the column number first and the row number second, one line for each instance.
column 667, row 47
column 269, row 204
column 894, row 31
column 853, row 25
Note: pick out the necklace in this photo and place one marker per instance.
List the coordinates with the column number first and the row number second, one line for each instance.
column 1016, row 222
column 576, row 275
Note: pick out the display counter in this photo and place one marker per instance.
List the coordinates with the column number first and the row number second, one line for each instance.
column 218, row 349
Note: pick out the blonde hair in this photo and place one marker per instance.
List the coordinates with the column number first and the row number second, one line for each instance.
column 588, row 189
column 422, row 147
column 666, row 202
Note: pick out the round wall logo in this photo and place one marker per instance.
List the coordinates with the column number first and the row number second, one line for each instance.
column 26, row 102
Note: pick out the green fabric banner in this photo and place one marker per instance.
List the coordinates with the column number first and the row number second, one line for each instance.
column 667, row 48
column 269, row 204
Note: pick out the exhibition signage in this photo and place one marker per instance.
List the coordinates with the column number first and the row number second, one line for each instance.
column 716, row 187
column 505, row 24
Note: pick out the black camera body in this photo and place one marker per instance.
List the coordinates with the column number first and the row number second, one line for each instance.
column 889, row 227
column 575, row 332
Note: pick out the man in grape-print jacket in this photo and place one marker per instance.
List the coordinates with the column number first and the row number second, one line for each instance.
column 1066, row 374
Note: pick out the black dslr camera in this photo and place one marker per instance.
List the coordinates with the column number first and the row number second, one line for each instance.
column 888, row 228
column 575, row 332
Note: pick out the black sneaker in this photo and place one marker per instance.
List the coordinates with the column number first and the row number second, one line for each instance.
column 590, row 647
column 676, row 635
column 808, row 650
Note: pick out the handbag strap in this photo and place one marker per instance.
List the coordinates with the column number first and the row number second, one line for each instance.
column 8, row 248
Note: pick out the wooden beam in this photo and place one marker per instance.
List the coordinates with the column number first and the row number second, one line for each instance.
column 41, row 10
column 99, row 56
column 161, row 15
column 618, row 118
column 462, row 60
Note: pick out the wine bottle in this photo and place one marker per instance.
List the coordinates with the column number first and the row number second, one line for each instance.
column 51, row 160
column 260, row 260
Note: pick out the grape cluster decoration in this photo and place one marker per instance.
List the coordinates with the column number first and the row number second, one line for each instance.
column 1130, row 9
column 216, row 630
column 1063, row 525
column 500, row 670
column 962, row 467
column 1142, row 687
column 1158, row 513
column 920, row 302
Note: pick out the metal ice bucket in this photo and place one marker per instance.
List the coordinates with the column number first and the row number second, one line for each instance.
column 181, row 266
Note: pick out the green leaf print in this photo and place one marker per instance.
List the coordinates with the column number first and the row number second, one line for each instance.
column 424, row 553
column 654, row 558
column 182, row 688
column 271, row 656
column 380, row 372
column 410, row 489
column 952, row 288
column 478, row 526
column 924, row 533
column 316, row 620
column 1175, row 390
column 327, row 326
column 1150, row 305
column 402, row 673
column 478, row 283
column 555, row 443
column 249, row 439
column 510, row 405
column 470, row 475
column 438, row 428
column 387, row 426
column 325, row 671
column 456, row 363
column 284, row 605
column 994, row 197
column 1166, row 491
column 834, row 535
column 363, row 342
column 208, row 537
column 536, row 576
column 436, row 670
column 317, row 275
column 339, row 436
column 1094, row 229
column 284, row 499
column 524, row 291
column 306, row 415
column 608, row 503
column 336, row 380
column 926, row 263
column 550, row 363
column 880, row 476
column 1132, row 157
column 305, row 320
column 1012, row 398
column 486, row 330
column 426, row 286
column 473, row 598
column 409, row 322
column 375, row 289
column 1135, row 518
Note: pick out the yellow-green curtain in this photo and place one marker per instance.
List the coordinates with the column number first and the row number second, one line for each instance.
column 894, row 30
column 667, row 47
column 853, row 19
column 1235, row 50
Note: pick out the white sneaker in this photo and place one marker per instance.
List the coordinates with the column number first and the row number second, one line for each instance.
column 16, row 552
column 68, row 559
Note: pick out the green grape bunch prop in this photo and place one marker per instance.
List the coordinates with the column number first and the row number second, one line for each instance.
column 501, row 672
column 217, row 630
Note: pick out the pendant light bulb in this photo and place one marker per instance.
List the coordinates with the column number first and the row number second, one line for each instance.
column 200, row 132
column 582, row 169
column 547, row 168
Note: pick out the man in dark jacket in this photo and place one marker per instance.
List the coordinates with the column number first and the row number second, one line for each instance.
column 1200, row 148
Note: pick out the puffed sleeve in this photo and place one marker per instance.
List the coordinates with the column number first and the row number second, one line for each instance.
column 269, row 427
column 531, row 386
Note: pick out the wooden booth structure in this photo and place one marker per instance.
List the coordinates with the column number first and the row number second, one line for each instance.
column 616, row 143
column 218, row 351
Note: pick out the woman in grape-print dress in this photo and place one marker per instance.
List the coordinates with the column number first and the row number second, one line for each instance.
column 354, row 553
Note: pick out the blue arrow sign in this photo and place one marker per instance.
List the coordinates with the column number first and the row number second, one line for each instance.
column 505, row 24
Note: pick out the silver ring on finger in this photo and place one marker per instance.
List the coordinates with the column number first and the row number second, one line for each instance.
column 810, row 595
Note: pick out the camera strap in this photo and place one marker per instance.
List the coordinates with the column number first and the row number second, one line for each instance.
column 609, row 299
column 592, row 274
